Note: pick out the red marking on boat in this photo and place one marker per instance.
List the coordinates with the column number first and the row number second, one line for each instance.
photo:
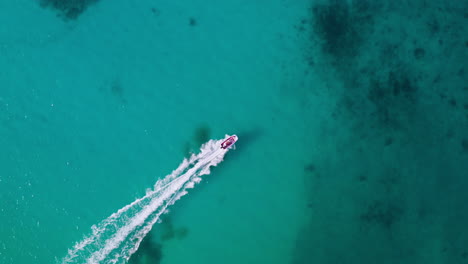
column 229, row 142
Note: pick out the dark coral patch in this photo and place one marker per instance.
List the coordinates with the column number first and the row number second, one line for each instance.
column 394, row 97
column 419, row 53
column 155, row 11
column 181, row 232
column 168, row 231
column 388, row 141
column 383, row 214
column 192, row 22
column 149, row 251
column 202, row 134
column 464, row 144
column 401, row 85
column 68, row 9
column 341, row 26
column 332, row 23
column 309, row 167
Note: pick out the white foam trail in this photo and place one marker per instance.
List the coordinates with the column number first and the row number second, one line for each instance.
column 117, row 237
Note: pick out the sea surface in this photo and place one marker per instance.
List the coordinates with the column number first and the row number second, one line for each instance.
column 352, row 118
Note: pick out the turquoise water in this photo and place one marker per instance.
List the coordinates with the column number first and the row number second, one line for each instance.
column 352, row 119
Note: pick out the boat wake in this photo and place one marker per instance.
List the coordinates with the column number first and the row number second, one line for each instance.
column 117, row 237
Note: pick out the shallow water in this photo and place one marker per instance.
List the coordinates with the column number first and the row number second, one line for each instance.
column 352, row 119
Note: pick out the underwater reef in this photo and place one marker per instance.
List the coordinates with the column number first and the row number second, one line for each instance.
column 341, row 27
column 68, row 9
column 396, row 73
column 201, row 135
column 149, row 251
column 151, row 247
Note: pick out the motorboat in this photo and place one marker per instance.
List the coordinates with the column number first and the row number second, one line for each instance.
column 229, row 142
